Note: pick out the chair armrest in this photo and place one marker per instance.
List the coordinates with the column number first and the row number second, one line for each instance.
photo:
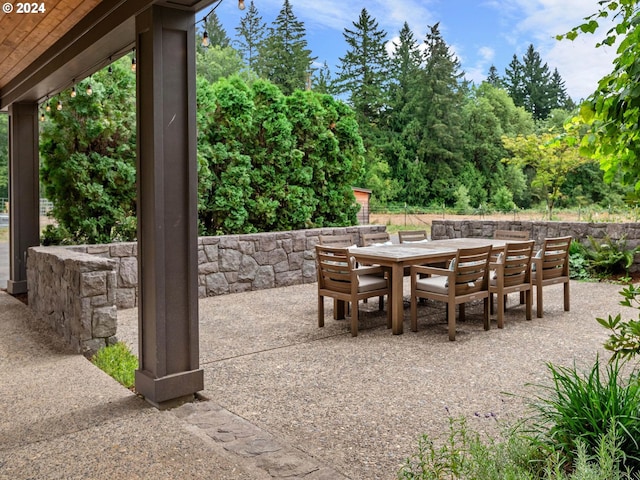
column 424, row 269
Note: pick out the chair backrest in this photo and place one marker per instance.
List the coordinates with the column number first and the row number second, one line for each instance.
column 334, row 266
column 412, row 235
column 554, row 257
column 472, row 269
column 369, row 239
column 337, row 240
column 510, row 235
column 516, row 260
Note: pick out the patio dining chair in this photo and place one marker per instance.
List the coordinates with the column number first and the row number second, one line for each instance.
column 340, row 279
column 466, row 279
column 550, row 266
column 516, row 235
column 512, row 274
column 336, row 240
column 375, row 238
column 408, row 236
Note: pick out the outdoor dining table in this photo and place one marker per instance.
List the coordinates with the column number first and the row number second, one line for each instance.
column 396, row 257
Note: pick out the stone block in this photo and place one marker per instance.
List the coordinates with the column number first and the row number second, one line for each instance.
column 217, row 284
column 93, row 283
column 284, row 279
column 128, row 272
column 211, row 252
column 125, row 249
column 126, row 297
column 248, row 268
column 265, row 278
column 230, row 260
column 296, row 259
column 207, row 268
column 104, row 322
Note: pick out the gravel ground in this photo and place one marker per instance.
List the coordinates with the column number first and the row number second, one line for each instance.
column 361, row 404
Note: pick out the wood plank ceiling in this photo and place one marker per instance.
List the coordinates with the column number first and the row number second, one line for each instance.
column 26, row 36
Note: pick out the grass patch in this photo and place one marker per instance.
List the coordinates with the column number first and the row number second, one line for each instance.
column 118, row 361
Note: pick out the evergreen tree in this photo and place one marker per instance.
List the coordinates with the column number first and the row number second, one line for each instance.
column 270, row 162
column 284, row 58
column 514, row 81
column 531, row 85
column 215, row 32
column 437, row 128
column 406, row 62
column 89, row 172
column 322, row 82
column 493, row 78
column 537, row 85
column 559, row 92
column 251, row 33
column 363, row 71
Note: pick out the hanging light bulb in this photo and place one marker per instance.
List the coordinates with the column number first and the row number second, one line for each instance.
column 241, row 4
column 133, row 64
column 48, row 107
column 89, row 89
column 73, row 92
column 42, row 116
column 110, row 70
column 59, row 106
column 205, row 39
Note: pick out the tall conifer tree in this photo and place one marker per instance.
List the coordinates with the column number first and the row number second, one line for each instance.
column 251, row 33
column 284, row 57
column 363, row 71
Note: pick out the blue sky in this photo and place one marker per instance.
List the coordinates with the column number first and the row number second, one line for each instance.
column 480, row 33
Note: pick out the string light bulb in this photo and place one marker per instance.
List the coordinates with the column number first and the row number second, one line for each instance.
column 42, row 118
column 48, row 107
column 59, row 106
column 205, row 39
column 133, row 64
column 241, row 4
column 73, row 92
column 89, row 89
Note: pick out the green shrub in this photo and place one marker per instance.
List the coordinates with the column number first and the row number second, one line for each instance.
column 463, row 454
column 578, row 261
column 118, row 361
column 608, row 256
column 624, row 340
column 579, row 408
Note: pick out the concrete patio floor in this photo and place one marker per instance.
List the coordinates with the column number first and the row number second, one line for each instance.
column 359, row 405
column 284, row 398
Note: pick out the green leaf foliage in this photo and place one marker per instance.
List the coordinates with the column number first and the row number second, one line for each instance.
column 270, row 162
column 88, row 159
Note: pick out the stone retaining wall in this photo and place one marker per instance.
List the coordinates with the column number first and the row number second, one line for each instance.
column 78, row 289
column 538, row 231
column 74, row 293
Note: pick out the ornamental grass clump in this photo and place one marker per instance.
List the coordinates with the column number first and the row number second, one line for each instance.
column 117, row 361
column 578, row 410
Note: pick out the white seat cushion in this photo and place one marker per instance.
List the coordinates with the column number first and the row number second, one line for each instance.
column 366, row 283
column 437, row 284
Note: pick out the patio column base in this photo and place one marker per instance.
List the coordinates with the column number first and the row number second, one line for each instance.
column 16, row 287
column 171, row 390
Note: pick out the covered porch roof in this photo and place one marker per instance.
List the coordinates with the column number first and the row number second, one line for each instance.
column 43, row 52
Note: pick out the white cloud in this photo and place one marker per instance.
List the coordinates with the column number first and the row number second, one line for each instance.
column 579, row 63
